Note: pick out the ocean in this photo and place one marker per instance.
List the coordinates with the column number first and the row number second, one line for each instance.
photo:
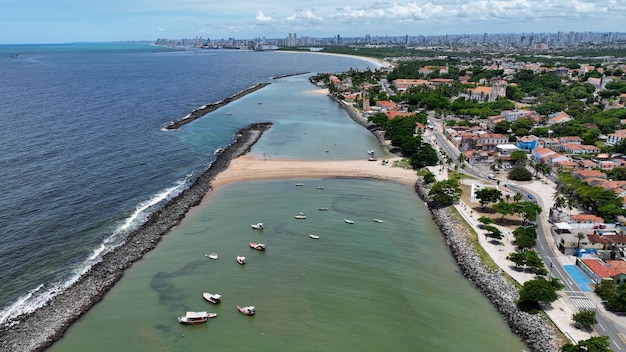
column 85, row 160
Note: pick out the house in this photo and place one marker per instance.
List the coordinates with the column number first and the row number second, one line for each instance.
column 419, row 128
column 614, row 138
column 404, row 84
column 493, row 120
column 481, row 94
column 514, row 115
column 587, row 164
column 393, row 114
column 585, row 174
column 599, row 270
column 570, row 139
column 540, row 153
column 489, row 141
column 527, row 142
column 386, row 105
column 558, row 117
column 575, row 148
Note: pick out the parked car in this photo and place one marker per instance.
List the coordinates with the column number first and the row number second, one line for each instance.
column 530, row 196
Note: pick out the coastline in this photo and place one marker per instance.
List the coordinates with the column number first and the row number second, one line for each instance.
column 40, row 329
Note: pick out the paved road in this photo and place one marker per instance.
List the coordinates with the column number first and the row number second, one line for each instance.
column 545, row 248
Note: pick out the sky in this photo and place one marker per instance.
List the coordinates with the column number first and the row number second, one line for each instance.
column 64, row 21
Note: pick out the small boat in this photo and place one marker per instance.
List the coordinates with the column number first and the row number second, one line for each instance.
column 229, row 113
column 378, row 220
column 371, row 158
column 315, row 237
column 320, row 188
column 370, row 152
column 196, row 318
column 241, row 259
column 213, row 298
column 247, row 310
column 349, row 221
column 213, row 256
column 322, row 209
column 257, row 226
column 299, row 184
column 258, row 246
column 300, row 216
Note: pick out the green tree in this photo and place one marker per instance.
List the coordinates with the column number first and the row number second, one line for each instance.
column 586, row 318
column 520, row 173
column 519, row 158
column 525, row 236
column 488, row 195
column 429, row 177
column 445, row 193
column 592, row 344
column 535, row 291
column 493, row 232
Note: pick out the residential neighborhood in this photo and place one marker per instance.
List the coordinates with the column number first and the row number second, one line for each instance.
column 509, row 122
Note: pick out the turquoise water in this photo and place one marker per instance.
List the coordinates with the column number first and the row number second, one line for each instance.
column 362, row 287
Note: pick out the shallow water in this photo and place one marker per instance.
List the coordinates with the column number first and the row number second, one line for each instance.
column 364, row 286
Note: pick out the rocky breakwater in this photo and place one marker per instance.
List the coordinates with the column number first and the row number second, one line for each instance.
column 38, row 330
column 533, row 329
column 201, row 111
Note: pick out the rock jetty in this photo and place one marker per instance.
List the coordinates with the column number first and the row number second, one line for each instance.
column 203, row 110
column 38, row 330
column 533, row 329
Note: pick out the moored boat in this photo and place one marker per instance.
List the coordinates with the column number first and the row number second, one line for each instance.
column 213, row 256
column 300, row 216
column 322, row 209
column 257, row 226
column 378, row 220
column 258, row 246
column 300, row 184
column 321, row 188
column 247, row 310
column 349, row 221
column 241, row 259
column 314, row 236
column 191, row 318
column 213, row 298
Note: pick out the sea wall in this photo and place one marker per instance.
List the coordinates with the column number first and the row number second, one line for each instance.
column 199, row 112
column 533, row 329
column 361, row 120
column 38, row 330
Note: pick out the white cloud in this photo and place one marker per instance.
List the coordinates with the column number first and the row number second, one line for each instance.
column 303, row 17
column 260, row 17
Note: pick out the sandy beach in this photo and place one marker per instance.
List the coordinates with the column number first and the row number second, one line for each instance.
column 248, row 168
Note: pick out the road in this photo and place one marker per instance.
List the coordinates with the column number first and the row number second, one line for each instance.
column 544, row 247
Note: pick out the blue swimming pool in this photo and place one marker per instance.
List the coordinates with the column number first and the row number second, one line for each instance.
column 582, row 280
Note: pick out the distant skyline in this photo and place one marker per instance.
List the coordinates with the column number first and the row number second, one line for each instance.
column 63, row 21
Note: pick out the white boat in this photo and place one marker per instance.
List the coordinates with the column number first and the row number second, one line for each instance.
column 314, row 236
column 321, row 188
column 241, row 259
column 213, row 256
column 191, row 318
column 300, row 216
column 247, row 310
column 300, row 184
column 213, row 298
column 257, row 226
column 322, row 209
column 378, row 220
column 258, row 246
column 349, row 221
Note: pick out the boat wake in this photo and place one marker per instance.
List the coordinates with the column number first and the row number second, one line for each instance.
column 38, row 296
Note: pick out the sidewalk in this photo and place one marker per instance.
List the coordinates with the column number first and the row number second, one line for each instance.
column 559, row 311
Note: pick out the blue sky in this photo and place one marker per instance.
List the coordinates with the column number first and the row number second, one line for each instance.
column 62, row 21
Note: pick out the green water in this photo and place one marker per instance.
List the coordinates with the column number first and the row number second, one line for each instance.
column 365, row 286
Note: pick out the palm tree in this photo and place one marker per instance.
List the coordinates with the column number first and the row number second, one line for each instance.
column 571, row 204
column 559, row 201
column 580, row 236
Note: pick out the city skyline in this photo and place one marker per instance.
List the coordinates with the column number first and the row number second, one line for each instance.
column 62, row 21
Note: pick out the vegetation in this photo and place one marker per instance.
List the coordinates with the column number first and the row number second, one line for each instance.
column 445, row 193
column 586, row 318
column 592, row 344
column 535, row 291
column 613, row 294
column 488, row 195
